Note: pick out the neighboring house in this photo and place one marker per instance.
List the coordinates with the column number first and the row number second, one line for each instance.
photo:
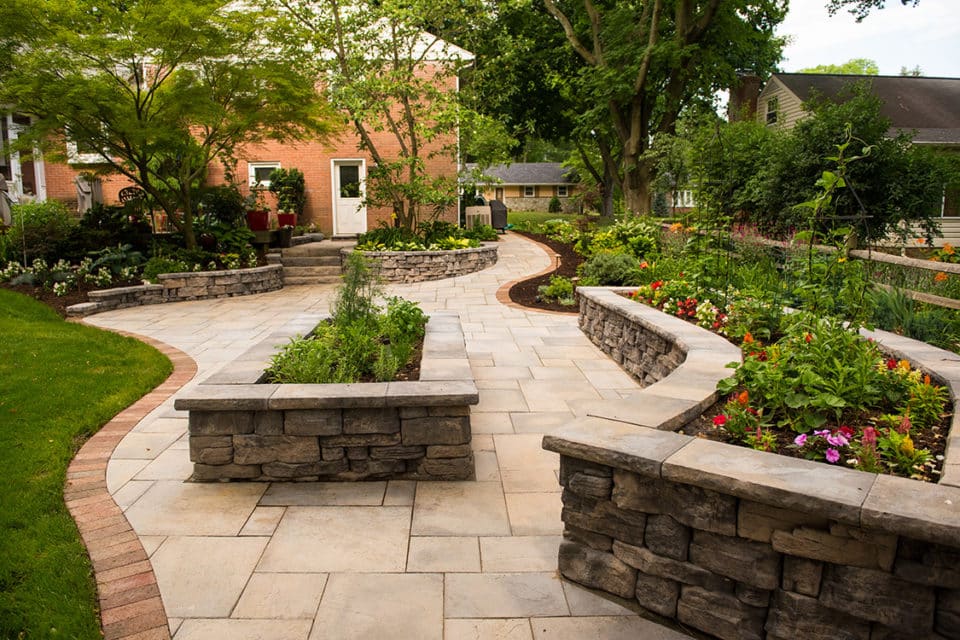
column 334, row 172
column 928, row 109
column 529, row 186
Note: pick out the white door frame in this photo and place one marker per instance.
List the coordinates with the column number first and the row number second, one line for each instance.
column 335, row 191
column 15, row 186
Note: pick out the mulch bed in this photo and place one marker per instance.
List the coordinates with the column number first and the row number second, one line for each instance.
column 60, row 303
column 526, row 293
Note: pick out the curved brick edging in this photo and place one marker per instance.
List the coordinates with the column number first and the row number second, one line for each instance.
column 743, row 544
column 130, row 604
column 178, row 287
column 503, row 293
column 420, row 266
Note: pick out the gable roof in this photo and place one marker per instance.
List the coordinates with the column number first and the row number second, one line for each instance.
column 523, row 173
column 931, row 106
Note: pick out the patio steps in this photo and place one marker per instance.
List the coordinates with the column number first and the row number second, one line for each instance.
column 313, row 263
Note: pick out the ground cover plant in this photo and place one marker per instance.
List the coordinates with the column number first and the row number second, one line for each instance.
column 61, row 382
column 429, row 236
column 362, row 342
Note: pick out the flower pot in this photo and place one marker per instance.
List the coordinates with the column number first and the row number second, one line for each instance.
column 284, row 236
column 287, row 219
column 258, row 220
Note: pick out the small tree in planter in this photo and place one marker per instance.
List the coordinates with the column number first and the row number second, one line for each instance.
column 290, row 188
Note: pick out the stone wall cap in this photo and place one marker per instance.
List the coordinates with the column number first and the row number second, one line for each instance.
column 646, row 408
column 789, row 483
column 616, row 444
column 328, row 396
column 232, row 397
column 222, row 272
column 432, row 393
column 119, row 291
column 895, row 505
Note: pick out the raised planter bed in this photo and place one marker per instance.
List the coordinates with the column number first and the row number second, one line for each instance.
column 420, row 266
column 242, row 429
column 739, row 543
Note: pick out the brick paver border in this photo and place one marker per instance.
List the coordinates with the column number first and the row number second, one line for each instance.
column 503, row 293
column 130, row 605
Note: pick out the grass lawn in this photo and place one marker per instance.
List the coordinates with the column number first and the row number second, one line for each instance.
column 59, row 383
column 538, row 217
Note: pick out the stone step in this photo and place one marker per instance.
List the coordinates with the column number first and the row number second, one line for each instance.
column 308, row 271
column 325, row 248
column 295, row 280
column 311, row 261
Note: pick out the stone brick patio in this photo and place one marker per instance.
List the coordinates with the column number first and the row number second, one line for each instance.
column 395, row 559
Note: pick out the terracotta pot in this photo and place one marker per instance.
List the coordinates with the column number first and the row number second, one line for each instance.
column 258, row 220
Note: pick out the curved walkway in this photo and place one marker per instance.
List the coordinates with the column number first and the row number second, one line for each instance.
column 315, row 561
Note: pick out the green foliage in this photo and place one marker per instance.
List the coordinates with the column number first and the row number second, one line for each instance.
column 854, row 66
column 559, row 290
column 290, row 189
column 611, row 269
column 637, row 236
column 893, row 311
column 360, row 341
column 117, row 259
column 37, row 229
column 554, row 205
column 62, row 381
column 160, row 264
column 483, row 233
column 436, row 235
column 223, row 204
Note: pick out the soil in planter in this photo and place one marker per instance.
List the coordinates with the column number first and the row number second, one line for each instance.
column 60, row 303
column 527, row 294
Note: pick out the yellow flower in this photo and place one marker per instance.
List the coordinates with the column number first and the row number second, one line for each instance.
column 906, row 445
column 676, row 227
column 841, row 260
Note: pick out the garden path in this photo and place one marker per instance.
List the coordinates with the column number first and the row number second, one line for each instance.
column 441, row 560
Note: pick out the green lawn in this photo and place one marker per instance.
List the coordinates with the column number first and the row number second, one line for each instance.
column 537, row 217
column 59, row 383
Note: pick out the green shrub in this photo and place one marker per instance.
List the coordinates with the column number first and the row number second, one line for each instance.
column 611, row 269
column 554, row 206
column 37, row 229
column 559, row 290
column 638, row 236
column 482, row 232
column 160, row 264
column 223, row 203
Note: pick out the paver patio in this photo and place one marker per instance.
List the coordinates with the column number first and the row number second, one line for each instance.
column 444, row 560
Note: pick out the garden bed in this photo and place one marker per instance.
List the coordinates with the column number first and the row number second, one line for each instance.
column 527, row 292
column 242, row 429
column 421, row 266
column 740, row 543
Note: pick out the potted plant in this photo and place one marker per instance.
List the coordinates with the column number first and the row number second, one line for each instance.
column 258, row 216
column 290, row 188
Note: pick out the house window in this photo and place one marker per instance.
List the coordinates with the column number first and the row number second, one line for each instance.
column 529, row 191
column 773, row 104
column 258, row 174
column 562, row 191
column 83, row 153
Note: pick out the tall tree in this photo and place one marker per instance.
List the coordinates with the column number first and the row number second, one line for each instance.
column 862, row 8
column 158, row 89
column 852, row 67
column 644, row 61
column 387, row 68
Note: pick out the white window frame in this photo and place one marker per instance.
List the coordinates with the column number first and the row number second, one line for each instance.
column 75, row 157
column 773, row 107
column 563, row 191
column 529, row 191
column 252, row 173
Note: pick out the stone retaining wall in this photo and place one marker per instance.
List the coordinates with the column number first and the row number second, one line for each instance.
column 417, row 430
column 419, row 266
column 742, row 544
column 176, row 287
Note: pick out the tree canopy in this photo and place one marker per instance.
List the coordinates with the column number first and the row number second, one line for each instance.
column 862, row 8
column 852, row 67
column 643, row 62
column 158, row 89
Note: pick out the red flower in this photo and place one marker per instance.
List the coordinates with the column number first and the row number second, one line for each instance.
column 807, row 337
column 846, row 431
column 656, row 285
column 719, row 420
column 891, row 364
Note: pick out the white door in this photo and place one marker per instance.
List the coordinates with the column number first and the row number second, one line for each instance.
column 349, row 214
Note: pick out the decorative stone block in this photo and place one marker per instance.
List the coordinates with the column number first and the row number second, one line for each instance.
column 590, row 486
column 313, row 422
column 796, row 616
column 930, row 564
column 658, row 594
column 386, row 420
column 333, row 453
column 876, row 595
column 447, row 468
column 206, row 472
column 720, row 614
column 357, row 453
column 370, row 440
column 597, row 569
column 802, row 575
column 745, row 561
column 947, row 619
column 636, row 492
column 284, row 470
column 254, row 449
column 816, row 544
column 397, row 453
column 449, row 451
column 701, row 508
column 217, row 423
column 751, row 596
column 667, row 537
column 586, row 538
column 432, row 431
column 602, row 516
column 756, row 521
column 650, row 563
column 268, row 423
column 569, row 466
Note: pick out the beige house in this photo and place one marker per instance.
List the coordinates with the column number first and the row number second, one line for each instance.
column 926, row 108
column 529, row 186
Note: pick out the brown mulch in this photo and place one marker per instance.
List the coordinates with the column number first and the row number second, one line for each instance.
column 526, row 293
column 60, row 303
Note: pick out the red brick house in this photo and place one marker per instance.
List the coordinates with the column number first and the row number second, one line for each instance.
column 334, row 172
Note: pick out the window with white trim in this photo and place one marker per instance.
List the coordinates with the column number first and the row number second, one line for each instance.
column 258, row 174
column 563, row 191
column 529, row 191
column 773, row 104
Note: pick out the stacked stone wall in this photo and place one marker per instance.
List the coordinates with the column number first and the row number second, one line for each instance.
column 742, row 544
column 420, row 266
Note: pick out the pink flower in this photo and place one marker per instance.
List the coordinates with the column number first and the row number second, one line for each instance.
column 838, row 440
column 720, row 420
column 869, row 436
column 832, row 455
column 800, row 440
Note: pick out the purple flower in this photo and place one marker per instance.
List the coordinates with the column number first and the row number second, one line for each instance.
column 800, row 440
column 838, row 440
column 832, row 455
column 822, row 432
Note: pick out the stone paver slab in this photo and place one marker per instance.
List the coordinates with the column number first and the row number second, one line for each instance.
column 177, row 508
column 281, row 596
column 263, row 521
column 503, row 595
column 519, row 553
column 608, row 628
column 510, row 629
column 144, row 446
column 324, row 494
column 202, row 577
column 460, row 509
column 222, row 629
column 530, row 481
column 382, row 606
column 533, row 514
column 523, row 451
column 584, row 602
column 442, row 554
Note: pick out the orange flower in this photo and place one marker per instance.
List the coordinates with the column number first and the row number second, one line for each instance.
column 676, row 227
column 747, row 338
column 743, row 398
column 948, row 248
column 920, row 240
column 940, row 277
column 926, row 380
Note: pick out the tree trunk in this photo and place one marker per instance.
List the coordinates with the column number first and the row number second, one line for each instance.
column 636, row 188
